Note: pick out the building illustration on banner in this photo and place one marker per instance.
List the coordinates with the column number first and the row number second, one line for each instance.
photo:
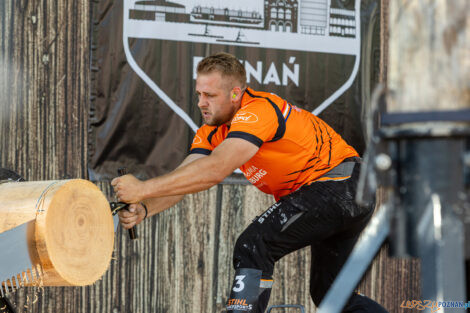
column 304, row 25
column 307, row 25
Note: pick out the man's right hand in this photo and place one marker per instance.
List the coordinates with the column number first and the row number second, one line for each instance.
column 133, row 216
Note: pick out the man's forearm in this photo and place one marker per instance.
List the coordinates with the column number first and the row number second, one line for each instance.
column 193, row 177
column 196, row 173
column 157, row 205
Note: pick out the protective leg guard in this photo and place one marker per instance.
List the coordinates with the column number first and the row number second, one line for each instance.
column 250, row 293
column 263, row 299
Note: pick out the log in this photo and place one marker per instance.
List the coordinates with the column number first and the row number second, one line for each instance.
column 73, row 236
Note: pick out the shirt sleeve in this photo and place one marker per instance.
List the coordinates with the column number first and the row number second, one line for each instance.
column 201, row 143
column 256, row 123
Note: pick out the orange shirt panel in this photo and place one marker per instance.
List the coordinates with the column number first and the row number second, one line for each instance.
column 207, row 138
column 296, row 147
column 257, row 118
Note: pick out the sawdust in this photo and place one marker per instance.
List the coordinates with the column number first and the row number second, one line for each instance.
column 113, row 256
column 27, row 301
column 38, row 289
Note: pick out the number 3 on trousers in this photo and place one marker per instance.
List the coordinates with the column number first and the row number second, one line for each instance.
column 239, row 284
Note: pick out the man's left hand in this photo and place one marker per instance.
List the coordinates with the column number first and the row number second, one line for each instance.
column 128, row 188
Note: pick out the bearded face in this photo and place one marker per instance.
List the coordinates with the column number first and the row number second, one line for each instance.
column 215, row 101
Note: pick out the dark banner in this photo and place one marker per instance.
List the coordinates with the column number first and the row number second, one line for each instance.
column 321, row 55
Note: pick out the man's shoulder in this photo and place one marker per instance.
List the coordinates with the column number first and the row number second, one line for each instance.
column 258, row 93
column 258, row 115
column 259, row 101
column 262, row 96
column 211, row 135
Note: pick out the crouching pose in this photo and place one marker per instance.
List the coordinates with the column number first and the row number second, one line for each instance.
column 282, row 150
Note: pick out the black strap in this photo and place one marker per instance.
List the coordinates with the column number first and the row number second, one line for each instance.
column 146, row 211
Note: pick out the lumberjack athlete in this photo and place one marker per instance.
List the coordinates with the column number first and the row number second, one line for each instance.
column 284, row 151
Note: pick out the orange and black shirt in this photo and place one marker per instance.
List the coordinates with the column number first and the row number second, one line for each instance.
column 295, row 146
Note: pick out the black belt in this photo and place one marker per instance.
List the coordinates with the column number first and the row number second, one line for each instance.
column 344, row 169
column 352, row 159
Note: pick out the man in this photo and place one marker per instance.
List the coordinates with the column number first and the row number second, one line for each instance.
column 282, row 150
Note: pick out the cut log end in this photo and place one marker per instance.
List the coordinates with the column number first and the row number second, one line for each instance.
column 72, row 232
column 75, row 236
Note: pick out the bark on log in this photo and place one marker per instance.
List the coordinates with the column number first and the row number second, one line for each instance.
column 73, row 228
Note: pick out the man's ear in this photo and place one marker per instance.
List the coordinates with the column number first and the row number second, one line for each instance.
column 236, row 94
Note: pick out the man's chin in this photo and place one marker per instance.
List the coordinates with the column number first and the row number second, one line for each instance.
column 207, row 121
column 213, row 123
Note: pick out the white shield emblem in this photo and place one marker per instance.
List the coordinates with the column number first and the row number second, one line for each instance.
column 302, row 25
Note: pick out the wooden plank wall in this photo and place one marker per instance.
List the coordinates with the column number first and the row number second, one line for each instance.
column 182, row 260
column 44, row 87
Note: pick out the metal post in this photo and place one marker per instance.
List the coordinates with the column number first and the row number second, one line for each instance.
column 431, row 174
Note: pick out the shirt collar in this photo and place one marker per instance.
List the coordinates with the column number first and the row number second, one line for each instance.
column 246, row 98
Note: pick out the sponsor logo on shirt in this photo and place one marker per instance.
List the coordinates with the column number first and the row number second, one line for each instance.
column 254, row 174
column 245, row 117
column 197, row 140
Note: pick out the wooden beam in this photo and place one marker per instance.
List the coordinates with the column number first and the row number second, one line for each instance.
column 429, row 63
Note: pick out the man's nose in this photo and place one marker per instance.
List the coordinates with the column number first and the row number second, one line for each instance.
column 202, row 103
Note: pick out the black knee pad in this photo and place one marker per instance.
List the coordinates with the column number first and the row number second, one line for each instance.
column 249, row 293
column 250, row 250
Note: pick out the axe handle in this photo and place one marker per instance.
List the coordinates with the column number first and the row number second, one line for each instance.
column 132, row 231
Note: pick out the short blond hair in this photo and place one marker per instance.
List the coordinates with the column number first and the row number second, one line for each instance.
column 226, row 64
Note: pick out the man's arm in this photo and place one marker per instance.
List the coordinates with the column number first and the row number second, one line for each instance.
column 136, row 212
column 198, row 175
column 157, row 205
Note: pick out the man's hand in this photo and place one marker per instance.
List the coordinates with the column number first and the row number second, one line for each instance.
column 128, row 189
column 133, row 216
